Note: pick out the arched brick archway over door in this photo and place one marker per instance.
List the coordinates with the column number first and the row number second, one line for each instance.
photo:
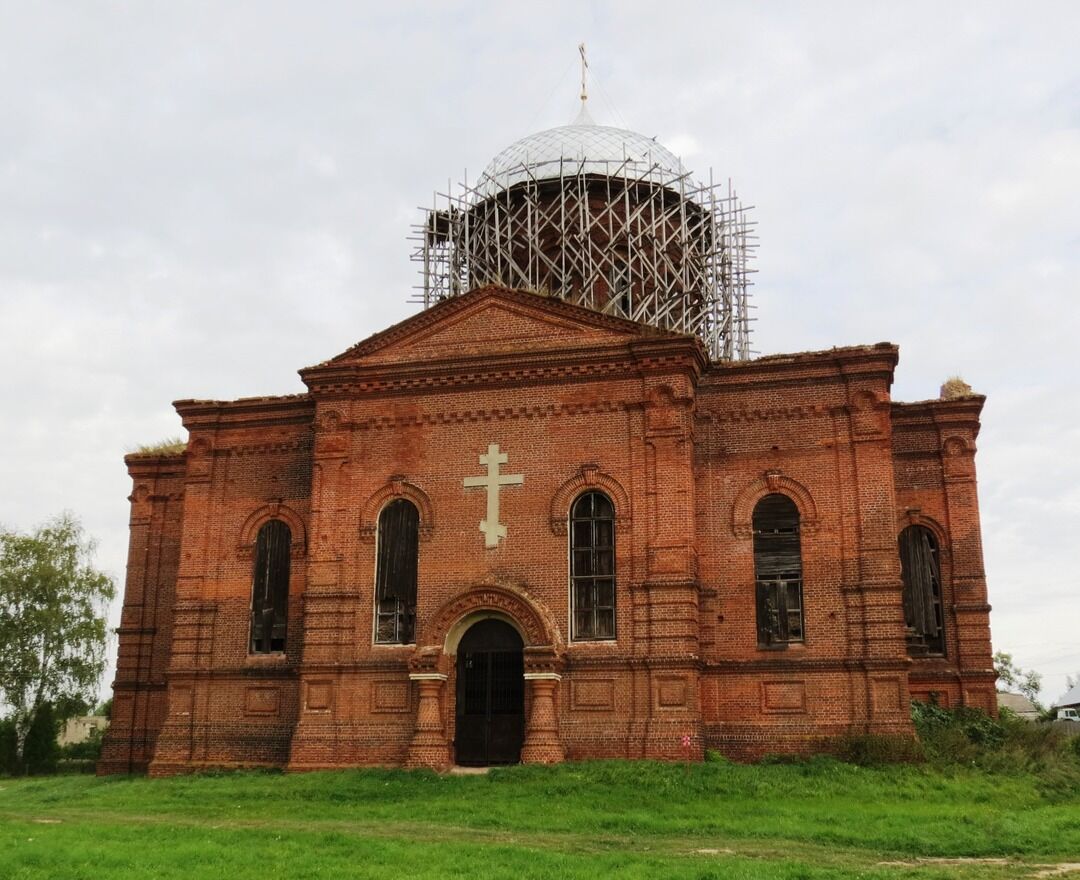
column 536, row 625
column 435, row 656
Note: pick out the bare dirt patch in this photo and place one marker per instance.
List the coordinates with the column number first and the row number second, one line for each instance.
column 1038, row 871
column 1057, row 870
column 908, row 863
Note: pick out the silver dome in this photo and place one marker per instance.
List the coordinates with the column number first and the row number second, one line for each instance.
column 551, row 212
column 581, row 147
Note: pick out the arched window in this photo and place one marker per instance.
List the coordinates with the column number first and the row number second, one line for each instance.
column 270, row 588
column 921, row 574
column 778, row 571
column 592, row 567
column 395, row 573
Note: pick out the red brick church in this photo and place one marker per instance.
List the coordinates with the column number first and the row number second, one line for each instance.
column 558, row 514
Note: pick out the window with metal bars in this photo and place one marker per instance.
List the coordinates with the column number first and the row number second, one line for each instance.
column 921, row 574
column 270, row 588
column 398, row 547
column 592, row 567
column 778, row 571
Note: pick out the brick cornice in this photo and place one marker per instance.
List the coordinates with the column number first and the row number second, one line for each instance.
column 840, row 364
column 155, row 464
column 135, row 630
column 479, row 370
column 945, row 415
column 268, row 448
column 292, row 409
column 782, row 661
column 961, row 409
column 139, row 685
column 398, row 664
column 491, row 414
column 574, row 363
column 761, row 414
column 290, row 668
column 620, row 661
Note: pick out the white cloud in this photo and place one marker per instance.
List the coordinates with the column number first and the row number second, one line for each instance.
column 198, row 200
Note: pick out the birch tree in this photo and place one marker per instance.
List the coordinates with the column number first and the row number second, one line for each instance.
column 53, row 606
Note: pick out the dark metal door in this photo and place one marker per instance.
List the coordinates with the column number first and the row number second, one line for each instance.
column 490, row 695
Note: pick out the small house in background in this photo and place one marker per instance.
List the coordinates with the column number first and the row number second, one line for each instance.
column 1071, row 700
column 77, row 730
column 1020, row 705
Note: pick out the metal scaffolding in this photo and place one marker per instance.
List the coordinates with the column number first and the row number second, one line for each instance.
column 631, row 238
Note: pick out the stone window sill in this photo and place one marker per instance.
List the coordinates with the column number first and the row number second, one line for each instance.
column 277, row 658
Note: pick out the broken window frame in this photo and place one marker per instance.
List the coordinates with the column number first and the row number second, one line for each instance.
column 270, row 589
column 778, row 572
column 396, row 567
column 924, row 610
column 592, row 568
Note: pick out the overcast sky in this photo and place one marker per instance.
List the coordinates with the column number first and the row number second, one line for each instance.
column 197, row 199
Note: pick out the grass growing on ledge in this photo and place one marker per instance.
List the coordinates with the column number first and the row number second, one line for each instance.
column 818, row 818
column 169, row 446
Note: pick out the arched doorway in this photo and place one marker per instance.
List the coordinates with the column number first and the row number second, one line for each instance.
column 490, row 717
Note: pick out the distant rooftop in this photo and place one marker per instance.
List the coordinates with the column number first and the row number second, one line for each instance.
column 1072, row 698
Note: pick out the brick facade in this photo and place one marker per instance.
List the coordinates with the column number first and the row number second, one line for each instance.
column 577, row 401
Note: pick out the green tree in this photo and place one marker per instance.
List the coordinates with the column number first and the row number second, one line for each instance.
column 41, row 751
column 52, row 622
column 1014, row 679
column 9, row 748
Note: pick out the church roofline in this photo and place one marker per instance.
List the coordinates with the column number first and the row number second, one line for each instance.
column 629, row 358
column 450, row 306
column 154, row 458
column 843, row 352
column 293, row 407
column 960, row 412
column 878, row 360
column 268, row 399
column 959, row 404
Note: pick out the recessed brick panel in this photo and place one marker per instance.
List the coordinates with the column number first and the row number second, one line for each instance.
column 671, row 693
column 592, row 695
column 390, row 696
column 319, row 696
column 887, row 694
column 180, row 700
column 262, row 700
column 783, row 696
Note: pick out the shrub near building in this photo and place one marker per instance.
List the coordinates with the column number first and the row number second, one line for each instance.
column 1007, row 745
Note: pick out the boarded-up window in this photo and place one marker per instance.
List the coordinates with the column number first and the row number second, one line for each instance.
column 592, row 566
column 270, row 590
column 921, row 574
column 778, row 571
column 395, row 573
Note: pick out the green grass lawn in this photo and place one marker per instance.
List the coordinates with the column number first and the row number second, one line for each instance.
column 815, row 819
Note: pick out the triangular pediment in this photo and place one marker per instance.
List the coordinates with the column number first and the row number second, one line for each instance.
column 492, row 320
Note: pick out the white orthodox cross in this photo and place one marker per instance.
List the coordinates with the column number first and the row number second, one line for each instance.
column 491, row 527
